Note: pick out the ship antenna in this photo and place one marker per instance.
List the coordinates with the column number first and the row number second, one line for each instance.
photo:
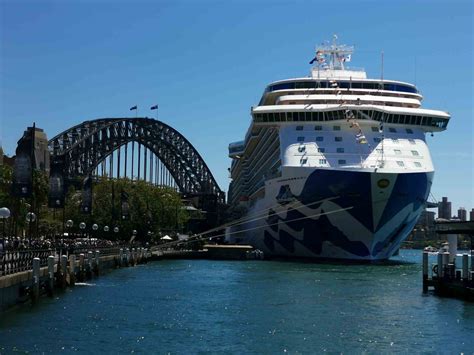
column 381, row 74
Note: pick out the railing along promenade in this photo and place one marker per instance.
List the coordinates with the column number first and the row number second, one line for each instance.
column 19, row 260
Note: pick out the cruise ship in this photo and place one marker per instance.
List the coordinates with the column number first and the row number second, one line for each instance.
column 334, row 165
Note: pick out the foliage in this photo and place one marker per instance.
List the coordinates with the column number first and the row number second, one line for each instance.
column 153, row 211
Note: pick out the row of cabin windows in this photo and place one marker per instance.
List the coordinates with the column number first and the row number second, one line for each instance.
column 359, row 114
column 341, row 85
column 339, row 139
column 415, row 153
column 374, row 129
column 400, row 163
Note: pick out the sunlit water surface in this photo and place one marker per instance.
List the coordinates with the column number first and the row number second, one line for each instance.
column 189, row 306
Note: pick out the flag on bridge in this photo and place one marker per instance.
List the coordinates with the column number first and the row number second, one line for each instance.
column 133, row 108
column 154, row 107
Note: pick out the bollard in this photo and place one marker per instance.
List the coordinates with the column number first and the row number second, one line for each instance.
column 452, row 247
column 120, row 257
column 97, row 258
column 63, row 274
column 440, row 265
column 50, row 275
column 127, row 256
column 72, row 270
column 445, row 264
column 81, row 274
column 425, row 271
column 36, row 280
column 465, row 267
column 89, row 265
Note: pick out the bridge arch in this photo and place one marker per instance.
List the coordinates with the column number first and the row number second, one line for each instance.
column 85, row 146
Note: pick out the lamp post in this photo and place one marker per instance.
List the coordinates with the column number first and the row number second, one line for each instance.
column 95, row 227
column 4, row 214
column 69, row 225
column 30, row 218
column 82, row 226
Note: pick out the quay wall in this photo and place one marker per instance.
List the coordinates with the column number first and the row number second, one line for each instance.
column 16, row 288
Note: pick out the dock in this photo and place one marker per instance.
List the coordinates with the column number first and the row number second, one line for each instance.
column 453, row 274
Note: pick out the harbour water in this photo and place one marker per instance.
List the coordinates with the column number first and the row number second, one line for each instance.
column 189, row 306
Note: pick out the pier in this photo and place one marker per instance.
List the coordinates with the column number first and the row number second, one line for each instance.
column 453, row 274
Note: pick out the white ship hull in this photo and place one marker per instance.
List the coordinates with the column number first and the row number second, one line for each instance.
column 335, row 214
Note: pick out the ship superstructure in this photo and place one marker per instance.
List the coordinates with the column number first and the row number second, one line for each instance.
column 334, row 165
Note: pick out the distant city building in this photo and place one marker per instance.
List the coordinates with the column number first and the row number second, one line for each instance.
column 444, row 209
column 425, row 227
column 471, row 215
column 462, row 214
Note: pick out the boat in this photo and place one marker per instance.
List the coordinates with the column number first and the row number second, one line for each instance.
column 334, row 165
column 430, row 249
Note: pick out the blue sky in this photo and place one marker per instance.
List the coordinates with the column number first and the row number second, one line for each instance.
column 207, row 62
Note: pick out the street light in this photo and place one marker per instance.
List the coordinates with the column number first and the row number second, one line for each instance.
column 30, row 218
column 82, row 226
column 94, row 228
column 4, row 214
column 106, row 229
column 69, row 224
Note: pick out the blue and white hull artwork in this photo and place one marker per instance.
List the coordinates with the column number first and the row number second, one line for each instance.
column 334, row 165
column 332, row 214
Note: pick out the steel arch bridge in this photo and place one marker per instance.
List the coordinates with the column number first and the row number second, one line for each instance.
column 86, row 146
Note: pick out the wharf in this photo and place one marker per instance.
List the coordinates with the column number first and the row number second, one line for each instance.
column 213, row 252
column 445, row 278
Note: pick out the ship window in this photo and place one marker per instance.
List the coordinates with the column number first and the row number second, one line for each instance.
column 319, row 139
column 299, row 128
column 412, row 141
column 321, row 150
column 400, row 163
column 375, row 129
column 337, row 128
column 322, row 161
column 341, row 161
column 308, row 116
column 304, row 160
column 340, row 150
column 392, row 130
column 300, row 139
column 258, row 117
column 289, row 116
column 301, row 148
column 395, row 140
column 417, row 164
column 409, row 131
column 398, row 151
column 376, row 139
column 338, row 139
column 318, row 128
column 415, row 153
column 378, row 150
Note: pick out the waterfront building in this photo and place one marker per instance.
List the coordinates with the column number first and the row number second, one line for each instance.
column 471, row 215
column 444, row 209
